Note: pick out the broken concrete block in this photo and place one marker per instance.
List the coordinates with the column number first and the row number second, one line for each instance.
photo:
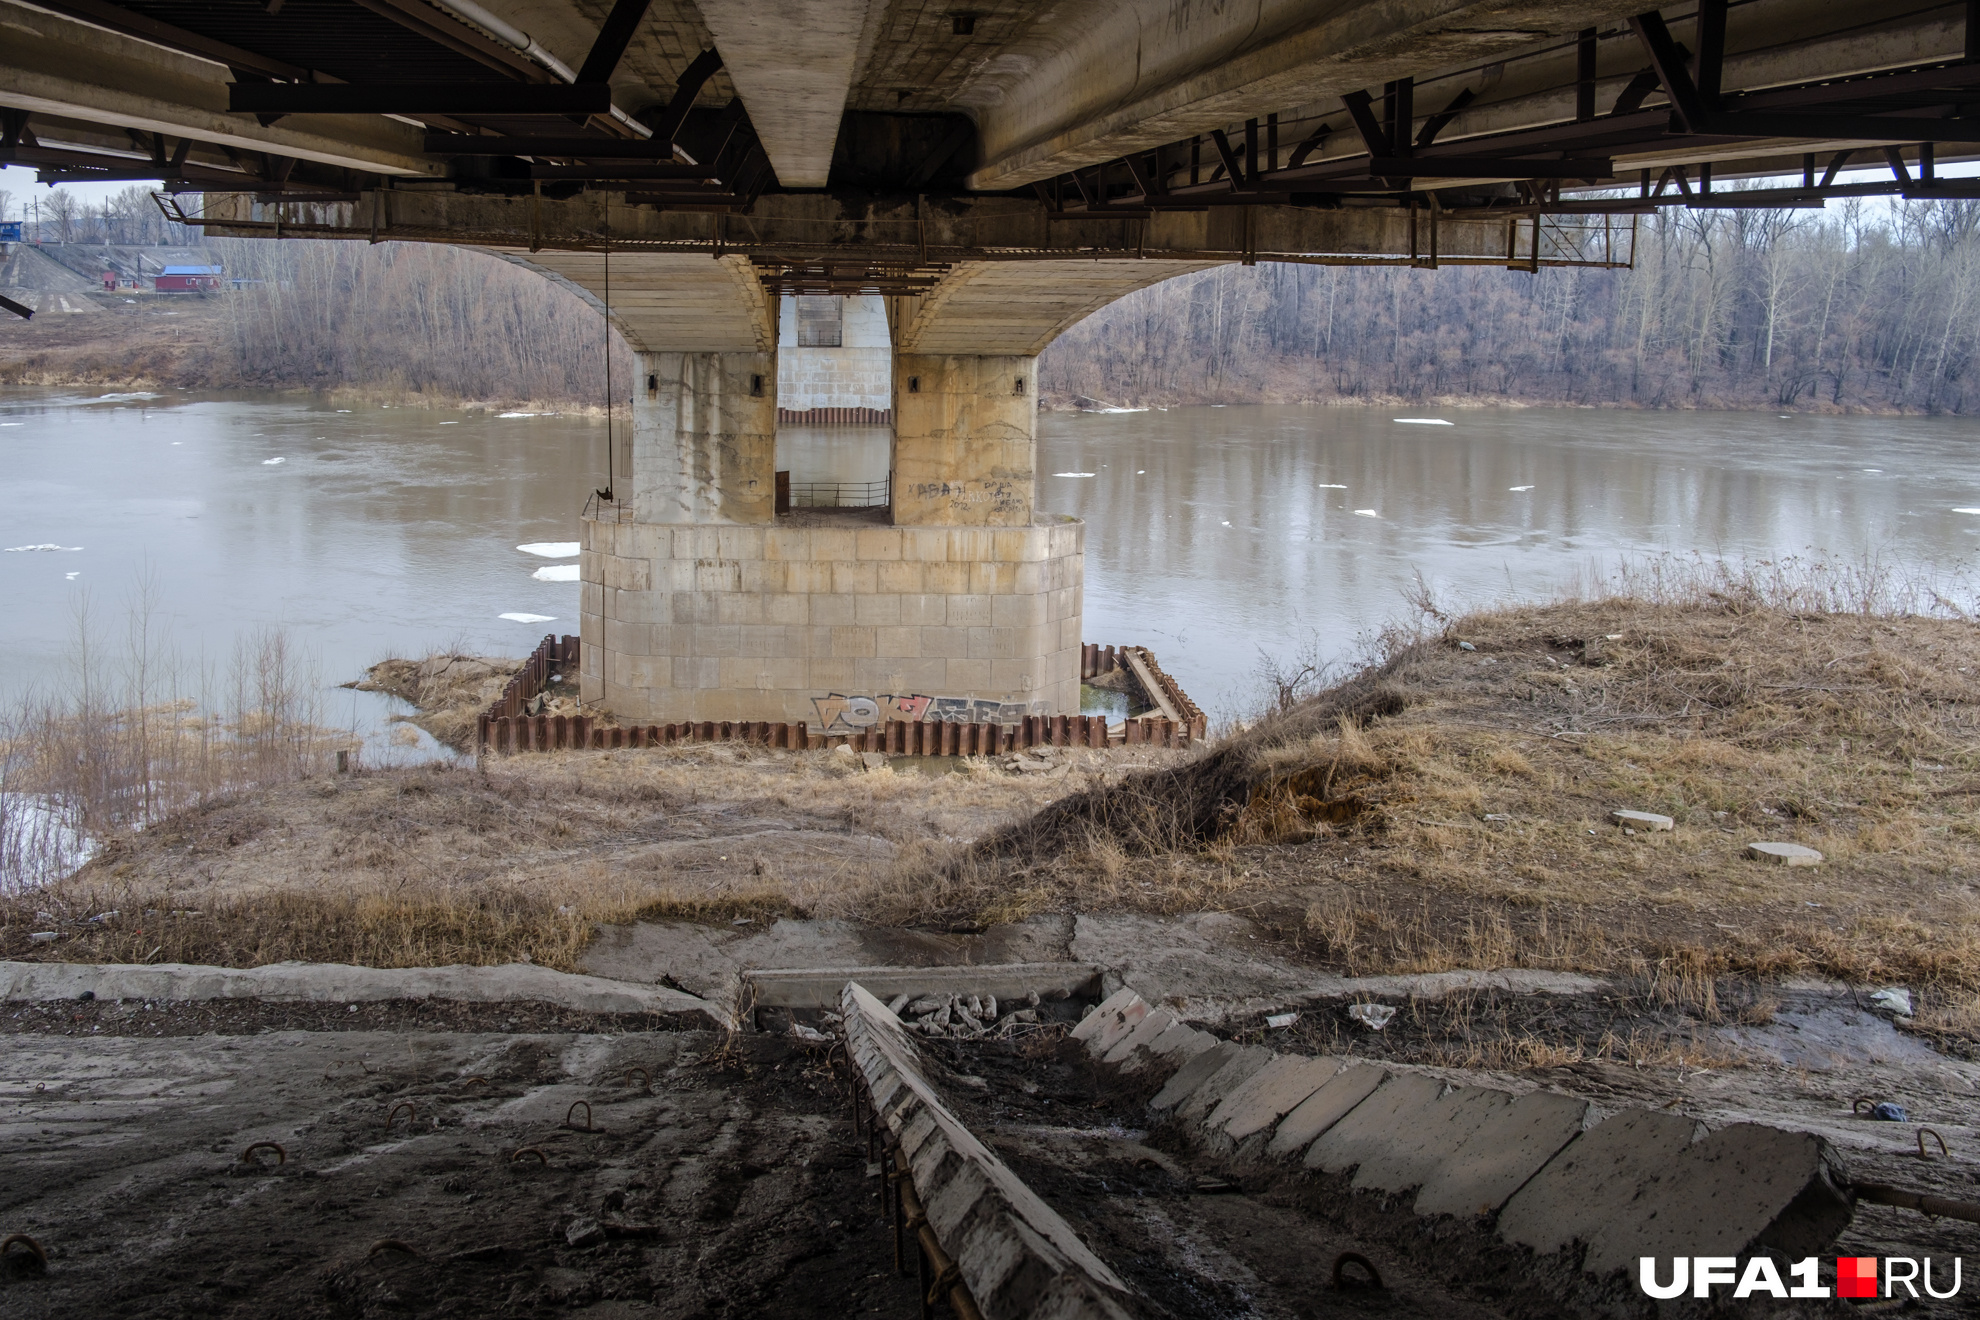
column 1499, row 1156
column 1152, row 1025
column 1784, row 854
column 1192, row 1075
column 1424, row 1139
column 584, row 1232
column 1098, row 1018
column 1270, row 1094
column 1741, row 1188
column 1324, row 1108
column 1221, row 1083
column 1597, row 1173
column 1647, row 821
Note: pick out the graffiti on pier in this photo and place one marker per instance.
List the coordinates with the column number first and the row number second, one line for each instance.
column 839, row 714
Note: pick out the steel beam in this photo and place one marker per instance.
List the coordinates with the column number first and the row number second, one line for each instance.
column 492, row 98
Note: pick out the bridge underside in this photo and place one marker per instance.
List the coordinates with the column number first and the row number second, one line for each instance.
column 996, row 175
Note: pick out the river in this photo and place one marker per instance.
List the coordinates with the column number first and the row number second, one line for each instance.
column 1213, row 534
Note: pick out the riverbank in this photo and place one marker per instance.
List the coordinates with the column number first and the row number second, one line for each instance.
column 1450, row 806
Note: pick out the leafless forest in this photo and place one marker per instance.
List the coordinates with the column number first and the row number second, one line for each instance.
column 1860, row 307
column 1864, row 306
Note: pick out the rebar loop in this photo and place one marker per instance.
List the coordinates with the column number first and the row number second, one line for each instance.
column 412, row 1113
column 281, row 1156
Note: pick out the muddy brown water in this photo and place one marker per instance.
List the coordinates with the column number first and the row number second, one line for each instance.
column 1212, row 533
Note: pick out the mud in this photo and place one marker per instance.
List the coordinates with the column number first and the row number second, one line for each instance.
column 729, row 1185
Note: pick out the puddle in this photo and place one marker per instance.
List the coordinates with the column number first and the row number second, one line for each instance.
column 1824, row 1033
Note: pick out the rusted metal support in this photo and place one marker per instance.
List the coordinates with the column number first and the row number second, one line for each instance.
column 947, row 1278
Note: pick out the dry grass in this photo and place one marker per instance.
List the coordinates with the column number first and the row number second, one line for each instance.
column 1448, row 806
column 517, row 860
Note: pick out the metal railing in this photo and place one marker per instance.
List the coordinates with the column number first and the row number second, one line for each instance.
column 841, row 494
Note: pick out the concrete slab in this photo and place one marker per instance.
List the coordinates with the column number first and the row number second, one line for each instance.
column 1784, row 854
column 819, row 987
column 1148, row 1030
column 341, row 983
column 1191, row 1075
column 1324, row 1108
column 1423, row 1141
column 1270, row 1094
column 1236, row 1071
column 709, row 960
column 1583, row 1188
column 1017, row 1254
column 1508, row 1148
column 1370, row 1129
column 1178, row 1044
column 1203, row 964
column 1741, row 1188
column 1117, row 1026
column 1090, row 1025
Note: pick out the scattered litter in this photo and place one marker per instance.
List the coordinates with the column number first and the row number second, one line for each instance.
column 1784, row 854
column 1886, row 1112
column 1519, row 488
column 1372, row 1016
column 529, row 618
column 271, row 462
column 1648, row 821
column 1897, row 999
column 1466, row 646
column 1279, row 1021
column 551, row 549
column 1497, row 815
column 1612, row 637
column 974, row 1083
column 556, row 573
column 743, row 921
column 1072, row 474
column 1205, row 1185
column 42, row 936
column 803, row 1032
column 1421, row 421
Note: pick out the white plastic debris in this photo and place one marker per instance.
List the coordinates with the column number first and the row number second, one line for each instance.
column 803, row 1032
column 1895, row 999
column 1280, row 1021
column 1372, row 1016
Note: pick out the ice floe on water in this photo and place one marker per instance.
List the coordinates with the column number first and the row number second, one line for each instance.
column 1955, row 511
column 73, row 576
column 1072, row 474
column 122, row 398
column 13, row 423
column 271, row 462
column 550, row 549
column 519, row 414
column 1422, row 421
column 22, row 549
column 450, row 423
column 530, row 618
column 556, row 573
column 1332, row 485
column 1519, row 488
column 1366, row 513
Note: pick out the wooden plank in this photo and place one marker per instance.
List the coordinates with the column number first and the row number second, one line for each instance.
column 1156, row 693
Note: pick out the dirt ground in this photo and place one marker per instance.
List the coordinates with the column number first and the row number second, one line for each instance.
column 522, row 858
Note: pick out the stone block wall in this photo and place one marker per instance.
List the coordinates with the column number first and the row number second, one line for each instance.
column 683, row 622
